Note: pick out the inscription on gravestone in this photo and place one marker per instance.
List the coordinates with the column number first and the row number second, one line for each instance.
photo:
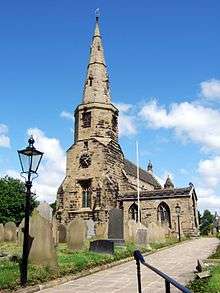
column 115, row 226
column 102, row 246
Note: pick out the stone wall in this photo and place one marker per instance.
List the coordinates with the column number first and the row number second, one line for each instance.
column 149, row 213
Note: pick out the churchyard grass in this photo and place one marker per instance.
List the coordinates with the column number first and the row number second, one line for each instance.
column 69, row 262
column 212, row 283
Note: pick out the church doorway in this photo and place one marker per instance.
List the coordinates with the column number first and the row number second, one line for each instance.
column 133, row 212
column 163, row 214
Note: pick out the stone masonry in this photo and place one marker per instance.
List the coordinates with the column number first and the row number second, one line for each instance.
column 99, row 178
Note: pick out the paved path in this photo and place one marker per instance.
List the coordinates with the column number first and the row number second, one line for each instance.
column 178, row 262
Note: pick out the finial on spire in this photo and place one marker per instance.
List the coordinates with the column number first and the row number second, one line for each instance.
column 150, row 167
column 97, row 14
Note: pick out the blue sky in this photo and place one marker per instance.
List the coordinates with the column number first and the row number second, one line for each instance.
column 164, row 66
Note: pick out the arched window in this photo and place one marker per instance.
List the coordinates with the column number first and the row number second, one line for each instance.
column 163, row 214
column 133, row 212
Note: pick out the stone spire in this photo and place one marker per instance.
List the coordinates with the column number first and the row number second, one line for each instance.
column 96, row 88
column 168, row 184
column 150, row 167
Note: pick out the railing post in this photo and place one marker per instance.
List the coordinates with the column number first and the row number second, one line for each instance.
column 167, row 286
column 138, row 272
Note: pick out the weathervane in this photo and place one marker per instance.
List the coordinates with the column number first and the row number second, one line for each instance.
column 97, row 14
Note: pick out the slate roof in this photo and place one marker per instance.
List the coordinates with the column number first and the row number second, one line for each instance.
column 175, row 192
column 131, row 169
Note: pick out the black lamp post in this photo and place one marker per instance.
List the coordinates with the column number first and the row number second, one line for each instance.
column 30, row 159
column 178, row 211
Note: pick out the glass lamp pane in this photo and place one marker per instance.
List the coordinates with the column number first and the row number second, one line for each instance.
column 25, row 162
column 36, row 158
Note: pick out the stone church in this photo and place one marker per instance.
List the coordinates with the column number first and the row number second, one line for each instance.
column 99, row 177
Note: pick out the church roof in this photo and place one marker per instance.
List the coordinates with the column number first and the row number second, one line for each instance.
column 159, row 193
column 131, row 169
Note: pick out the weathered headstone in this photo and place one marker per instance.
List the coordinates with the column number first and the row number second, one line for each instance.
column 141, row 236
column 42, row 251
column 62, row 233
column 10, row 233
column 2, row 237
column 102, row 246
column 90, row 228
column 55, row 231
column 76, row 234
column 21, row 233
column 101, row 230
column 115, row 225
column 45, row 210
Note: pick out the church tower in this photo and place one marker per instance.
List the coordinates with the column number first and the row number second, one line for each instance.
column 95, row 161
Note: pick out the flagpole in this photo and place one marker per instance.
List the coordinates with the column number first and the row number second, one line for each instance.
column 138, row 182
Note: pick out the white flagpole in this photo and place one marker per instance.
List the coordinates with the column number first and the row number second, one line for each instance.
column 138, row 182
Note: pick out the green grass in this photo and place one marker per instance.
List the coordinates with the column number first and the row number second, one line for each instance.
column 69, row 262
column 210, row 284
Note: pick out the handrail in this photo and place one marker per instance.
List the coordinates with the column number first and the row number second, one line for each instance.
column 168, row 280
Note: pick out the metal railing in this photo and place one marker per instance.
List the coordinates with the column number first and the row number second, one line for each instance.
column 140, row 259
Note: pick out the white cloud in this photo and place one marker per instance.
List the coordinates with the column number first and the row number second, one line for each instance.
column 67, row 115
column 198, row 124
column 210, row 171
column 52, row 168
column 189, row 121
column 210, row 89
column 4, row 139
column 127, row 125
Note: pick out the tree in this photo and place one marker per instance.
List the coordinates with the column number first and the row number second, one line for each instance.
column 206, row 222
column 12, row 200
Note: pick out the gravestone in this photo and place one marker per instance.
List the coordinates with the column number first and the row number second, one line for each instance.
column 21, row 233
column 42, row 250
column 90, row 228
column 62, row 233
column 101, row 230
column 102, row 246
column 55, row 231
column 142, row 236
column 115, row 225
column 76, row 234
column 10, row 233
column 45, row 210
column 2, row 237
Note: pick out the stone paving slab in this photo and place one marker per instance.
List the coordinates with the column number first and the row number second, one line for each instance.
column 178, row 262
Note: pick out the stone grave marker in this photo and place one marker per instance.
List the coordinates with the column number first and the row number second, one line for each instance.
column 115, row 225
column 90, row 228
column 76, row 234
column 2, row 237
column 55, row 231
column 62, row 233
column 21, row 233
column 102, row 246
column 45, row 210
column 142, row 234
column 42, row 250
column 101, row 230
column 10, row 233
